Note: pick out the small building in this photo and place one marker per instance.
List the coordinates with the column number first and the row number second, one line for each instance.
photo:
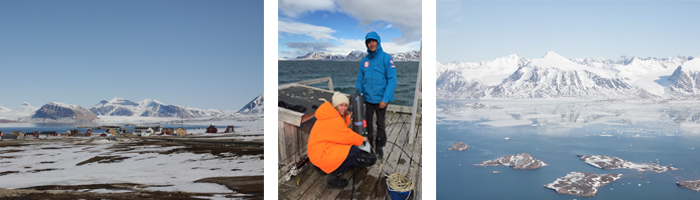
column 229, row 129
column 49, row 133
column 181, row 131
column 211, row 129
column 17, row 133
column 103, row 134
column 88, row 133
column 141, row 129
column 11, row 137
column 75, row 132
column 168, row 131
column 32, row 134
column 113, row 131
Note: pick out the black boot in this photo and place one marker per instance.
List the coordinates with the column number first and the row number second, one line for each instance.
column 321, row 172
column 380, row 153
column 334, row 180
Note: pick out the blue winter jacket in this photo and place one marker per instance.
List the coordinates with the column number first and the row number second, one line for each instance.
column 376, row 78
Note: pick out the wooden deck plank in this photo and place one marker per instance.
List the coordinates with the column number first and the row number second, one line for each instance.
column 369, row 179
column 373, row 177
column 416, row 170
column 307, row 179
column 318, row 186
column 402, row 164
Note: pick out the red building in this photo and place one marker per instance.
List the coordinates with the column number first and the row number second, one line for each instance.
column 211, row 129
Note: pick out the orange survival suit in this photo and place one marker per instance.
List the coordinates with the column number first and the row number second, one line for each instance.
column 330, row 139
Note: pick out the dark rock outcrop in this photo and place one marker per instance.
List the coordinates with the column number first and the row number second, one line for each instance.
column 610, row 162
column 582, row 183
column 693, row 185
column 459, row 146
column 518, row 161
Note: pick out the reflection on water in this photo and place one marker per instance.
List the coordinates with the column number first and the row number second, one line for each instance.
column 677, row 116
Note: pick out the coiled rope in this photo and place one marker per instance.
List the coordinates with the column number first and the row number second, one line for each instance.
column 398, row 182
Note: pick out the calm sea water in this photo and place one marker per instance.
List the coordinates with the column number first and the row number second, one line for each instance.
column 344, row 75
column 458, row 178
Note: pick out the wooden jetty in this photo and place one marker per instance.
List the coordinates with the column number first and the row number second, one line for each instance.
column 402, row 152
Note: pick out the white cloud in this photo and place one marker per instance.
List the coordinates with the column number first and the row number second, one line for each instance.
column 389, row 26
column 295, row 8
column 405, row 15
column 320, row 33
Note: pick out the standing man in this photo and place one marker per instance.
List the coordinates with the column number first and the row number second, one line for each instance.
column 376, row 80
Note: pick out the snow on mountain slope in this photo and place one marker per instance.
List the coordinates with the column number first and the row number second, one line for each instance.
column 26, row 108
column 554, row 76
column 55, row 111
column 4, row 109
column 644, row 72
column 464, row 80
column 148, row 108
column 685, row 80
column 256, row 106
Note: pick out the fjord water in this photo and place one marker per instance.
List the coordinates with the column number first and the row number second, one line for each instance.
column 557, row 145
column 344, row 74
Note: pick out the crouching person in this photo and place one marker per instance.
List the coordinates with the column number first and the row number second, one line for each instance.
column 333, row 147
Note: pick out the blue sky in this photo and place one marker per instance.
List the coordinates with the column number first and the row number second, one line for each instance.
column 339, row 26
column 202, row 54
column 469, row 31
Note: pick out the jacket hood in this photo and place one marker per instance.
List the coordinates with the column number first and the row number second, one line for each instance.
column 326, row 111
column 375, row 36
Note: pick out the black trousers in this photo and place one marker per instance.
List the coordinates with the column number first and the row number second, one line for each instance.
column 350, row 160
column 370, row 110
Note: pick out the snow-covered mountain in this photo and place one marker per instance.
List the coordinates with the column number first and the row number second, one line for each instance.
column 321, row 56
column 685, row 80
column 357, row 55
column 148, row 108
column 256, row 106
column 466, row 80
column 61, row 112
column 4, row 109
column 554, row 76
column 26, row 108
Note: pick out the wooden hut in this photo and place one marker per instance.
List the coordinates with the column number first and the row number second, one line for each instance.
column 11, row 137
column 113, row 131
column 88, row 133
column 49, row 133
column 75, row 132
column 229, row 129
column 17, row 133
column 211, row 129
column 32, row 134
column 167, row 131
column 181, row 131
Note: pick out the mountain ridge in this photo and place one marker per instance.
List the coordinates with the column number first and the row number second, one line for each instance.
column 554, row 76
column 357, row 55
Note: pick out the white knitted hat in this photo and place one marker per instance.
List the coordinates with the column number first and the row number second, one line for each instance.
column 339, row 98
